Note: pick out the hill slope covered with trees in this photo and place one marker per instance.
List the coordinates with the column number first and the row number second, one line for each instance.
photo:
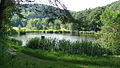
column 42, row 18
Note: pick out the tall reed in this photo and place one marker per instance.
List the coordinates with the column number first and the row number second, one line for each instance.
column 84, row 47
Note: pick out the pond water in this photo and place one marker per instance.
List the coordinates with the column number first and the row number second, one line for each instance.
column 72, row 38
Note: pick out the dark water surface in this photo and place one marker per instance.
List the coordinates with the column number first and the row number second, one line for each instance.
column 72, row 38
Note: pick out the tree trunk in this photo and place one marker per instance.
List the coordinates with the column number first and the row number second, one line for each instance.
column 2, row 15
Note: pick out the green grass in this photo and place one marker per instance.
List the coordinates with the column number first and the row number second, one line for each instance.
column 25, row 61
column 45, row 59
column 29, row 58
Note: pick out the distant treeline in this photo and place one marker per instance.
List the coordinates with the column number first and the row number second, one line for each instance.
column 41, row 17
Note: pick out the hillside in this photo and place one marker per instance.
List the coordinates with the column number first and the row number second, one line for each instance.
column 87, row 20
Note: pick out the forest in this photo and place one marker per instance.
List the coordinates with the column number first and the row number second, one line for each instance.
column 44, row 36
column 37, row 19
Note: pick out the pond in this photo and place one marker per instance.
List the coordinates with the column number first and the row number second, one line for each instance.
column 72, row 38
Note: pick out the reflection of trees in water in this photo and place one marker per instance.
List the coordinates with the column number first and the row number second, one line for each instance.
column 71, row 38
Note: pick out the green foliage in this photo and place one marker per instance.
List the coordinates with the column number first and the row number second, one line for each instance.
column 94, row 17
column 6, row 8
column 86, row 20
column 114, row 5
column 88, row 48
column 57, row 24
column 5, row 57
column 111, row 30
column 45, row 18
column 15, row 41
column 44, row 44
column 35, row 58
column 12, row 32
column 78, row 60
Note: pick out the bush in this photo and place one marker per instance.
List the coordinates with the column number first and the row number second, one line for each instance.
column 17, row 42
column 84, row 47
column 12, row 32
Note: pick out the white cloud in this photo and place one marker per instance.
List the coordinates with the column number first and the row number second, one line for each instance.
column 77, row 5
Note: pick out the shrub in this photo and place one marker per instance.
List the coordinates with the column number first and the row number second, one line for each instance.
column 12, row 32
column 17, row 42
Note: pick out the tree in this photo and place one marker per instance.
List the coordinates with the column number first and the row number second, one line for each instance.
column 111, row 29
column 94, row 17
column 81, row 21
column 57, row 24
column 7, row 6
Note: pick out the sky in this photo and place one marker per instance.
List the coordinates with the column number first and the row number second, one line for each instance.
column 78, row 5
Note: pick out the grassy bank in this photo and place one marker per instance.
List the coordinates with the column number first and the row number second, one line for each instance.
column 26, row 61
column 64, row 60
column 36, row 58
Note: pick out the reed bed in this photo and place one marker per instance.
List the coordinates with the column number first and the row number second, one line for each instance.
column 84, row 47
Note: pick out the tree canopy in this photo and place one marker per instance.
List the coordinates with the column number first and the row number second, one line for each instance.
column 8, row 6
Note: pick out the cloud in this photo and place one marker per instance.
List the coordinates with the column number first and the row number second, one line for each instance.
column 78, row 5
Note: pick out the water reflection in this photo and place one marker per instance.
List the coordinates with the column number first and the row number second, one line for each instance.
column 72, row 38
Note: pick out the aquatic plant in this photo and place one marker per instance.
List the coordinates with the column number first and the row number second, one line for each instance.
column 84, row 47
